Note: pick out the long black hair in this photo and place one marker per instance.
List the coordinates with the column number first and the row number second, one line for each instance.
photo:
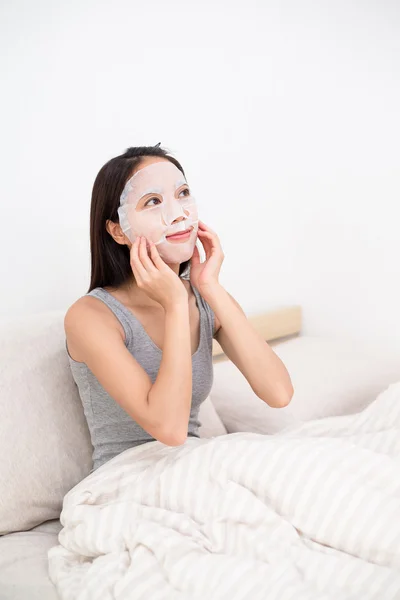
column 110, row 261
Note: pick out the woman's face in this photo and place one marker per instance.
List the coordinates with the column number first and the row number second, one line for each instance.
column 157, row 203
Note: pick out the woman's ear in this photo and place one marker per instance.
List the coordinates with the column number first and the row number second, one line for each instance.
column 114, row 229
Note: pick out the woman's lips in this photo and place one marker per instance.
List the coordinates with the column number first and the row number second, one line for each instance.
column 181, row 236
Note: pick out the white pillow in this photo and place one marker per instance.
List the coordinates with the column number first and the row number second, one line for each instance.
column 45, row 446
column 330, row 377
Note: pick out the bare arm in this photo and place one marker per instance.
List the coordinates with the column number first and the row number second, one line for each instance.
column 169, row 399
column 162, row 408
column 262, row 368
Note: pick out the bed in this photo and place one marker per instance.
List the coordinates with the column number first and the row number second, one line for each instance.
column 51, row 452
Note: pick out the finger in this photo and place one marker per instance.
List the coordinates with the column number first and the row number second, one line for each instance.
column 211, row 245
column 208, row 233
column 144, row 257
column 207, row 245
column 136, row 275
column 202, row 226
column 133, row 249
column 205, row 227
column 214, row 239
column 196, row 256
column 135, row 260
column 208, row 237
column 134, row 245
column 156, row 258
column 205, row 233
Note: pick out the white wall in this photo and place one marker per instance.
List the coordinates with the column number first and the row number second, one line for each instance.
column 285, row 116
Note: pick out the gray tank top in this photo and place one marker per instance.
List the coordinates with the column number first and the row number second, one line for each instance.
column 111, row 429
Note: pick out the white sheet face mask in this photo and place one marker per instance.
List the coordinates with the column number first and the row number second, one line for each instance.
column 155, row 203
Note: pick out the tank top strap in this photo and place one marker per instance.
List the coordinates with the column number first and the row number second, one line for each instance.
column 209, row 321
column 123, row 315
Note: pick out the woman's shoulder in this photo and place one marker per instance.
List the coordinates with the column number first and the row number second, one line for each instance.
column 83, row 307
column 86, row 314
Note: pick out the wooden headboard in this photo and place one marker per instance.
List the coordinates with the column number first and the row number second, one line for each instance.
column 272, row 325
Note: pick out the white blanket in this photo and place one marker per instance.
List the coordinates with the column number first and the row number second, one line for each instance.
column 310, row 513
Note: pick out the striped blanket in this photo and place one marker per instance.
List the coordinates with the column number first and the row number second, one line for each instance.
column 310, row 513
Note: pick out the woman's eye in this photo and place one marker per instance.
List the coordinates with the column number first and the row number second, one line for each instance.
column 185, row 192
column 153, row 202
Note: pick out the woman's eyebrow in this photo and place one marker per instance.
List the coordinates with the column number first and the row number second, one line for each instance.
column 180, row 183
column 153, row 190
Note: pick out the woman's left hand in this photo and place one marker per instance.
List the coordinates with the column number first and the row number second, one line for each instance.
column 204, row 275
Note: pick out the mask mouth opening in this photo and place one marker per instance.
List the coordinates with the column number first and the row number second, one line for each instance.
column 184, row 225
column 186, row 229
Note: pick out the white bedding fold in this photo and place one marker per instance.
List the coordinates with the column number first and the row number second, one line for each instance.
column 312, row 512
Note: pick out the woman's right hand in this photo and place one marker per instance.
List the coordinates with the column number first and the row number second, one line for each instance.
column 154, row 276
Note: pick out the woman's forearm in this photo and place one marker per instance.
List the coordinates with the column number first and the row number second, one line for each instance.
column 170, row 396
column 262, row 368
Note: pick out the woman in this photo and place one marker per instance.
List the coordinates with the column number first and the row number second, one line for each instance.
column 140, row 341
